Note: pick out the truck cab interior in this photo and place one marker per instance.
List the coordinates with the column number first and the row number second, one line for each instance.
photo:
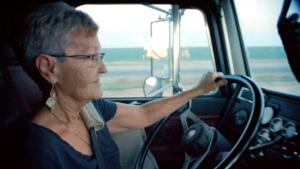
column 159, row 48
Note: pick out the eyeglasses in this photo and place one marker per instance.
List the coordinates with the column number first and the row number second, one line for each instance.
column 94, row 57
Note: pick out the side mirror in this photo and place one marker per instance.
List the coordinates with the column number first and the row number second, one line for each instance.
column 152, row 87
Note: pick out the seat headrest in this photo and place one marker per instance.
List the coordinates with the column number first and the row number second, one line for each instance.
column 8, row 56
column 18, row 81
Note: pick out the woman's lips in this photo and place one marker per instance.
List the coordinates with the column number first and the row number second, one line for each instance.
column 97, row 80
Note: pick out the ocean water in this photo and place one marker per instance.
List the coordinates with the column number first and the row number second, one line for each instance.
column 189, row 53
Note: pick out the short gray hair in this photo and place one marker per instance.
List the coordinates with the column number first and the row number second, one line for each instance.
column 47, row 31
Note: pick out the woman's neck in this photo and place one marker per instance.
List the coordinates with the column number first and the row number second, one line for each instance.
column 68, row 108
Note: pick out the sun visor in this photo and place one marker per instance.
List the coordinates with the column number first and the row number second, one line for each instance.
column 289, row 31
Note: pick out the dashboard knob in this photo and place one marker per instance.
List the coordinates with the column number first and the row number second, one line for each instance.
column 289, row 130
column 276, row 124
column 263, row 136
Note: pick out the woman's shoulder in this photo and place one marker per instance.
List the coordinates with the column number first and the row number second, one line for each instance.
column 40, row 144
column 106, row 108
column 40, row 135
column 41, row 147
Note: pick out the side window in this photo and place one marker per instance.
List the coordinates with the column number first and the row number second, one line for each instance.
column 124, row 34
column 267, row 59
column 196, row 57
column 138, row 41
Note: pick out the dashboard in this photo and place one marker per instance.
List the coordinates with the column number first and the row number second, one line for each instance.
column 277, row 142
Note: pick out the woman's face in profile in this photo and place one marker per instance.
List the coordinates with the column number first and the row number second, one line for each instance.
column 80, row 78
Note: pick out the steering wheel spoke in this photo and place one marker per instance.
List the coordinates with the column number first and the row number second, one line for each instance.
column 187, row 118
column 188, row 161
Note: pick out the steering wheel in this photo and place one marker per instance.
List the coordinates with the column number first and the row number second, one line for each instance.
column 197, row 154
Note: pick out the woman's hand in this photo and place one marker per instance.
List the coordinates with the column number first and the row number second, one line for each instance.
column 208, row 82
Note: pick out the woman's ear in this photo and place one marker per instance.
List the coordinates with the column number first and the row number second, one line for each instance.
column 46, row 65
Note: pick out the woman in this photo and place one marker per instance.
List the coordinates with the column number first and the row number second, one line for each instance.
column 62, row 54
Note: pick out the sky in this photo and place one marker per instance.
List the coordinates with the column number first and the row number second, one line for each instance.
column 129, row 25
column 259, row 17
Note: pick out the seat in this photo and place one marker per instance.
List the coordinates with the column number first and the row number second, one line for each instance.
column 130, row 142
column 18, row 97
column 19, row 89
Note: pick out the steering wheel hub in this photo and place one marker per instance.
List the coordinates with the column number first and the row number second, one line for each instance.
column 196, row 139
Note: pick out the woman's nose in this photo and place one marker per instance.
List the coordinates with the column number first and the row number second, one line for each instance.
column 102, row 67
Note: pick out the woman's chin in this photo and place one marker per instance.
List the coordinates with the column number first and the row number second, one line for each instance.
column 98, row 94
column 93, row 93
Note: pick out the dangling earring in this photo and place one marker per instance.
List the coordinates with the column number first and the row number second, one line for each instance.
column 51, row 100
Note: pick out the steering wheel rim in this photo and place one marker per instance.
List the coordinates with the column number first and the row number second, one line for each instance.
column 244, row 140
